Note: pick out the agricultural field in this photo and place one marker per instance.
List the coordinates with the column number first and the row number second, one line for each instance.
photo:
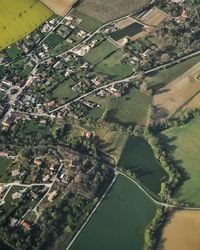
column 53, row 40
column 171, row 98
column 112, row 66
column 109, row 10
column 64, row 91
column 60, row 7
column 4, row 164
column 138, row 157
column 181, row 231
column 100, row 52
column 88, row 23
column 19, row 18
column 160, row 79
column 130, row 31
column 153, row 17
column 127, row 110
column 13, row 51
column 120, row 220
column 182, row 144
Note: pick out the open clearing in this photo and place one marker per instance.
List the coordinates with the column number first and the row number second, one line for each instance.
column 105, row 10
column 100, row 52
column 182, row 232
column 60, row 7
column 177, row 93
column 19, row 18
column 127, row 110
column 4, row 163
column 153, row 17
column 138, row 157
column 182, row 144
column 120, row 220
column 112, row 66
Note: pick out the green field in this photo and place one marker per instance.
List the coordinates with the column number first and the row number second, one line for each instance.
column 18, row 18
column 89, row 23
column 53, row 40
column 13, row 51
column 64, row 91
column 99, row 53
column 129, row 109
column 183, row 145
column 112, row 66
column 163, row 77
column 120, row 220
column 4, row 163
column 138, row 157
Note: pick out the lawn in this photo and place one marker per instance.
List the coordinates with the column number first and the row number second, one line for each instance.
column 120, row 220
column 19, row 18
column 99, row 53
column 127, row 110
column 53, row 40
column 89, row 23
column 138, row 157
column 183, row 145
column 112, row 66
column 64, row 91
column 4, row 163
column 13, row 51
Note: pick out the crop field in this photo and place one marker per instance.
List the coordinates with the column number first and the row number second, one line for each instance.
column 19, row 18
column 4, row 164
column 153, row 17
column 130, row 30
column 138, row 157
column 171, row 98
column 112, row 66
column 128, row 109
column 182, row 144
column 181, row 232
column 89, row 23
column 120, row 220
column 100, row 52
column 109, row 10
column 64, row 91
column 60, row 7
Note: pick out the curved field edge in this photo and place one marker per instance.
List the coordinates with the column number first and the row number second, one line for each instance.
column 20, row 18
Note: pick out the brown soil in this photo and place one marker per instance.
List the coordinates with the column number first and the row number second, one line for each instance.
column 60, row 7
column 182, row 232
column 176, row 94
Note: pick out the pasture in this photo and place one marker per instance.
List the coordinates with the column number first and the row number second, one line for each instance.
column 182, row 144
column 4, row 164
column 120, row 220
column 138, row 157
column 60, row 7
column 129, row 109
column 99, row 53
column 181, row 232
column 88, row 23
column 109, row 10
column 171, row 98
column 19, row 18
column 112, row 66
column 64, row 91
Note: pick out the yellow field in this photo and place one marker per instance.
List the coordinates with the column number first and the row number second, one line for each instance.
column 182, row 232
column 18, row 18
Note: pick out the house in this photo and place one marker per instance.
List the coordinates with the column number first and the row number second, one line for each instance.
column 15, row 173
column 89, row 135
column 51, row 104
column 184, row 13
column 37, row 162
column 52, row 195
column 14, row 222
column 46, row 178
column 3, row 154
column 26, row 225
column 16, row 195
